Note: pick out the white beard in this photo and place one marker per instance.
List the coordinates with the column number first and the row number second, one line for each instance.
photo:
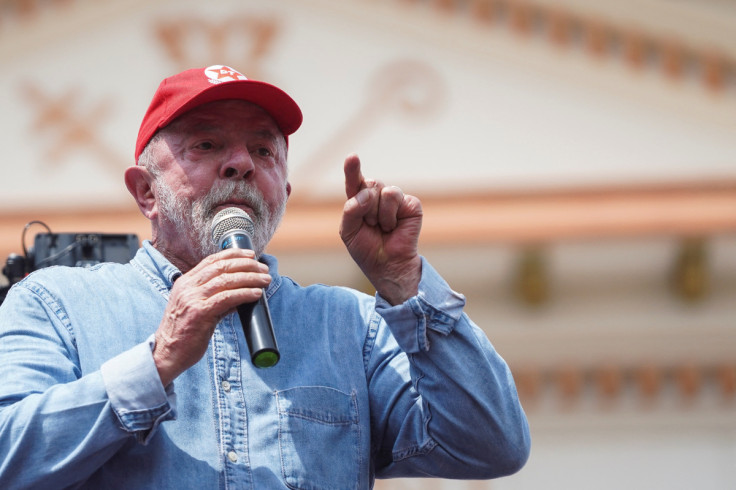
column 196, row 216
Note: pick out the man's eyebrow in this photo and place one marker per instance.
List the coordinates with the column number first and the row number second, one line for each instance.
column 266, row 133
column 192, row 125
column 202, row 125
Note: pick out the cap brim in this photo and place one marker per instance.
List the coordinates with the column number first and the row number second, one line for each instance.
column 279, row 105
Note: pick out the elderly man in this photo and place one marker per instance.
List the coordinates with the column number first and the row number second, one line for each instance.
column 138, row 375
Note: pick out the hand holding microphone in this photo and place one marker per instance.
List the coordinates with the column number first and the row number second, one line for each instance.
column 233, row 228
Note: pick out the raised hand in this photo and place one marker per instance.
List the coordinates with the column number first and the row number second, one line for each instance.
column 380, row 228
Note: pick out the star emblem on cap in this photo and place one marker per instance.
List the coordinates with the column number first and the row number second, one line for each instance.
column 227, row 73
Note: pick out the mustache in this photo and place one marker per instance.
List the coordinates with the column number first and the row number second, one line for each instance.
column 231, row 192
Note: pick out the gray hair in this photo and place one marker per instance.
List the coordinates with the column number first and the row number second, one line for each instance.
column 146, row 158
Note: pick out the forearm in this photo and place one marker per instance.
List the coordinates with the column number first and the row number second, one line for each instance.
column 60, row 421
column 58, row 437
column 63, row 433
column 463, row 409
column 470, row 402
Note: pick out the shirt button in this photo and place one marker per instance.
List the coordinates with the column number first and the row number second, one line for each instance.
column 226, row 385
column 232, row 456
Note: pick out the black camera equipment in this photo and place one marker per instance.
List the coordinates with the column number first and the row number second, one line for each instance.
column 70, row 249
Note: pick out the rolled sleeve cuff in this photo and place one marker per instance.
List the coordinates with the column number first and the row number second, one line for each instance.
column 436, row 307
column 135, row 391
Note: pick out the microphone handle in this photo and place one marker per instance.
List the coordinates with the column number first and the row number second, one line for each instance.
column 254, row 317
column 258, row 329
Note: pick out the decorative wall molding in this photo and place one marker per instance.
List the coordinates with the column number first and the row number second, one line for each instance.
column 28, row 9
column 648, row 384
column 674, row 57
column 564, row 25
column 244, row 40
column 406, row 88
column 63, row 121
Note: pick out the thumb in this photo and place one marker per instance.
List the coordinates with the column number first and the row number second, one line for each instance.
column 353, row 214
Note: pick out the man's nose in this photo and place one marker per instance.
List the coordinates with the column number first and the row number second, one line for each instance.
column 239, row 165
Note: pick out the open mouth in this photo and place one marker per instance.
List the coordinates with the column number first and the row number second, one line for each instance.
column 240, row 205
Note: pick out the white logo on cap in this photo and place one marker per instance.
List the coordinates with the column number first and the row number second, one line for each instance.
column 222, row 73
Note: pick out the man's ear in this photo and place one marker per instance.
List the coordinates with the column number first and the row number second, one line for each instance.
column 139, row 182
column 288, row 189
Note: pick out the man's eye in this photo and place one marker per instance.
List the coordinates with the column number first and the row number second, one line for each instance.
column 205, row 145
column 264, row 152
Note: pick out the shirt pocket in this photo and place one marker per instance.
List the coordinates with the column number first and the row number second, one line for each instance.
column 319, row 438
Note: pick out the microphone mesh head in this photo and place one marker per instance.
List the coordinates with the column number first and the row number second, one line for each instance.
column 230, row 219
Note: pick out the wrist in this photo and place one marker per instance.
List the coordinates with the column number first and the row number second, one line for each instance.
column 398, row 286
column 163, row 364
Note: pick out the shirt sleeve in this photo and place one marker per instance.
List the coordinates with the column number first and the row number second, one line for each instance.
column 136, row 394
column 443, row 401
column 46, row 401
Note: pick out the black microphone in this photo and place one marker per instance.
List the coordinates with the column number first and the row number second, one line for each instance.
column 232, row 228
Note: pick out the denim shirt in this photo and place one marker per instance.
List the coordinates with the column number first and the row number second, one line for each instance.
column 363, row 389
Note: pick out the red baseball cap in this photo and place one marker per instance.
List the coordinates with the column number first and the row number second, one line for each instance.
column 191, row 88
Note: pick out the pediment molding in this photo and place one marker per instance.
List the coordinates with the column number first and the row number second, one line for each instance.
column 680, row 41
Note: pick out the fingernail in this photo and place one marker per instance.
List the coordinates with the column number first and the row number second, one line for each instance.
column 362, row 196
